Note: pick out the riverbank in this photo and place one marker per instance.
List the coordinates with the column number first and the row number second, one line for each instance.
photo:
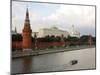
column 47, row 51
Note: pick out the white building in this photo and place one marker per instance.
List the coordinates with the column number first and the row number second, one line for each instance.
column 73, row 32
column 56, row 32
column 51, row 31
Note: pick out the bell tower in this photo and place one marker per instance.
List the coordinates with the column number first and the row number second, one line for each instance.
column 26, row 34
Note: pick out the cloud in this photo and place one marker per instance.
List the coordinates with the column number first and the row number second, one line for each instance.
column 83, row 17
column 64, row 16
column 72, row 14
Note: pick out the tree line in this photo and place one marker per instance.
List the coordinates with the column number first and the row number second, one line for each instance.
column 83, row 40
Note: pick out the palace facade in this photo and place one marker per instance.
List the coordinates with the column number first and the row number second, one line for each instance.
column 56, row 32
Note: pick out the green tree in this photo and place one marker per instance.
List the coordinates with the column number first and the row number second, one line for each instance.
column 17, row 37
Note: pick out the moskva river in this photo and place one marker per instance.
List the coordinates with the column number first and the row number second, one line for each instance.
column 55, row 62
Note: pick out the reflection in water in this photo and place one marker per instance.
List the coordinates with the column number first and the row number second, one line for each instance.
column 27, row 64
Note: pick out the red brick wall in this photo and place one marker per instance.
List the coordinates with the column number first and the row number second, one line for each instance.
column 42, row 45
column 17, row 45
column 39, row 45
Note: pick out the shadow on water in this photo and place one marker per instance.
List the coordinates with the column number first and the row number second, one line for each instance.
column 27, row 65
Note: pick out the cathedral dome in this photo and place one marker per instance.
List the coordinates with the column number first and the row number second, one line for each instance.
column 73, row 32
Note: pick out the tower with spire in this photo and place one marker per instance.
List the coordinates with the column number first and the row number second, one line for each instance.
column 26, row 34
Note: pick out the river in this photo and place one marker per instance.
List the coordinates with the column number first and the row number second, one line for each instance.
column 55, row 62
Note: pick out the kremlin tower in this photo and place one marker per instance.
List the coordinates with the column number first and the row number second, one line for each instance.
column 26, row 34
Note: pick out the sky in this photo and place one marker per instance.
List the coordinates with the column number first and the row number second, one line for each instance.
column 46, row 15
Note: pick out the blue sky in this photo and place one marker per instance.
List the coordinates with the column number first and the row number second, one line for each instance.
column 44, row 15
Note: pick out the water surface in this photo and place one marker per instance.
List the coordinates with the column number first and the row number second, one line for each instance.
column 55, row 61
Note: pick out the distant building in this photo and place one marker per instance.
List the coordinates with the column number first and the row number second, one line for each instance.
column 57, row 32
column 73, row 32
column 35, row 33
column 52, row 31
column 14, row 31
